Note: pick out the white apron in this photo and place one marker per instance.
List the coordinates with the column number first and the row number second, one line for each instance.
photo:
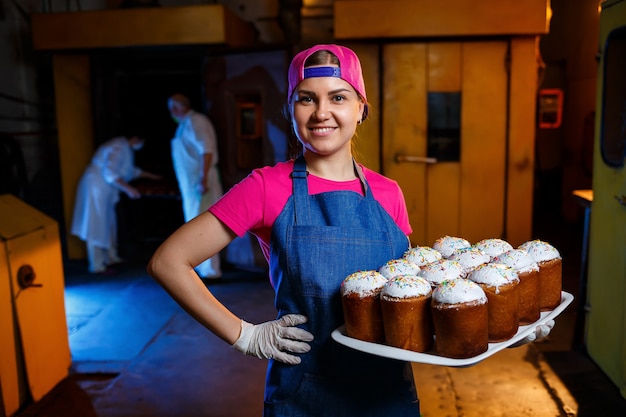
column 187, row 161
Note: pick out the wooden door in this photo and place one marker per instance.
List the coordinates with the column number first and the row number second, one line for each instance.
column 606, row 325
column 444, row 135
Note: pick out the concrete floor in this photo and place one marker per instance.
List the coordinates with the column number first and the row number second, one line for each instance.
column 136, row 353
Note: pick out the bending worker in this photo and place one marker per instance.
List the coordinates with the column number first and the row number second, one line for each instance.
column 111, row 169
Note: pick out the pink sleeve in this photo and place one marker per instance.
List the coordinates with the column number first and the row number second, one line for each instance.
column 389, row 194
column 397, row 209
column 241, row 207
column 402, row 215
column 250, row 206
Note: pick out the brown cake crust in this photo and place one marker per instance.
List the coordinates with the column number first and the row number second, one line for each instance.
column 550, row 284
column 407, row 322
column 461, row 330
column 529, row 311
column 363, row 317
column 503, row 309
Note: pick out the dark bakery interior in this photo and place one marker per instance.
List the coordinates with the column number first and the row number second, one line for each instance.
column 541, row 94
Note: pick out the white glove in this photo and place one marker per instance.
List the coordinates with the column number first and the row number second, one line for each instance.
column 541, row 332
column 274, row 339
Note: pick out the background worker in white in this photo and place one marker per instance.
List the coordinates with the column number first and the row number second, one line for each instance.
column 195, row 158
column 95, row 220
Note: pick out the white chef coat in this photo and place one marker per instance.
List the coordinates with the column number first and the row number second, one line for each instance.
column 194, row 137
column 94, row 210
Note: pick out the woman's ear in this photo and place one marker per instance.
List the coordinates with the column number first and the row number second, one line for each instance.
column 361, row 111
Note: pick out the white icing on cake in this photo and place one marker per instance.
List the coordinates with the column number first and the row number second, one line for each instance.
column 456, row 291
column 364, row 283
column 405, row 286
column 517, row 259
column 469, row 258
column 494, row 275
column 448, row 244
column 439, row 271
column 422, row 255
column 540, row 251
column 400, row 266
column 493, row 247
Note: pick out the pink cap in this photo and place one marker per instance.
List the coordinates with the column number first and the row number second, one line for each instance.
column 349, row 69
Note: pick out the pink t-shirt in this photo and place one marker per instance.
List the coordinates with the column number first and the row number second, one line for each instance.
column 253, row 204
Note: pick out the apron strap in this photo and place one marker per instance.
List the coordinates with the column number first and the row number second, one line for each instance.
column 359, row 172
column 300, row 191
column 301, row 188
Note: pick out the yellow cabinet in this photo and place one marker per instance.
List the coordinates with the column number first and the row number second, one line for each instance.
column 33, row 331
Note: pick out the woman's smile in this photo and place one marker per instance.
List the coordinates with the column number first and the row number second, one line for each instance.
column 322, row 131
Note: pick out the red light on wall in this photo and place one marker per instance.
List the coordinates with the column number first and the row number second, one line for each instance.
column 550, row 108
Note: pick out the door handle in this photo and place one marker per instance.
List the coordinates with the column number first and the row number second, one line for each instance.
column 26, row 277
column 415, row 159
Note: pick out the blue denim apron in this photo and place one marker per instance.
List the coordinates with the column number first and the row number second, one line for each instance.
column 318, row 240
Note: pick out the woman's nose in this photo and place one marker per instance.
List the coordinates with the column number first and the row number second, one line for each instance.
column 321, row 111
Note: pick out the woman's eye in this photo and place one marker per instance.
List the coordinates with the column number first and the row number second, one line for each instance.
column 305, row 99
column 338, row 98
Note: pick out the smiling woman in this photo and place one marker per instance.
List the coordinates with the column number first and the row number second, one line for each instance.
column 318, row 218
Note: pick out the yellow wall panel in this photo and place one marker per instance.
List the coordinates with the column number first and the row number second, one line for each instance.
column 72, row 86
column 443, row 179
column 367, row 144
column 521, row 153
column 424, row 18
column 186, row 25
column 444, row 67
column 483, row 140
column 443, row 200
column 404, row 125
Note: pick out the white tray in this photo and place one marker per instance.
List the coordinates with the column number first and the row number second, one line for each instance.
column 339, row 335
